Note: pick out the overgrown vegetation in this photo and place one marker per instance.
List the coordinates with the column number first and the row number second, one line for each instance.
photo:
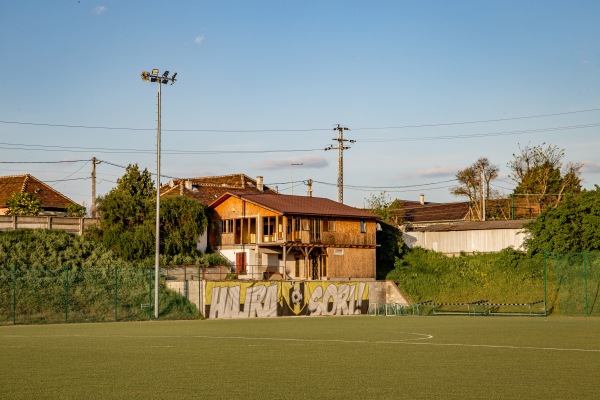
column 35, row 264
column 508, row 276
column 573, row 225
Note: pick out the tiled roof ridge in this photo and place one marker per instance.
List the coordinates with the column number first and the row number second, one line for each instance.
column 25, row 181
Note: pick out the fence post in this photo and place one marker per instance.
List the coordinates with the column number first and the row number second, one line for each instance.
column 199, row 289
column 14, row 294
column 150, row 294
column 587, row 313
column 67, row 294
column 545, row 281
column 116, row 292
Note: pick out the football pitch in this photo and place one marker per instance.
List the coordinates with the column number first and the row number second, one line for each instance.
column 357, row 357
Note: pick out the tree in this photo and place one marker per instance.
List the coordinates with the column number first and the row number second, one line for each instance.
column 24, row 204
column 572, row 225
column 541, row 176
column 390, row 211
column 75, row 210
column 128, row 217
column 474, row 183
column 182, row 220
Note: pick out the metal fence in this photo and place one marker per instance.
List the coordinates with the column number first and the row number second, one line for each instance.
column 75, row 294
column 572, row 283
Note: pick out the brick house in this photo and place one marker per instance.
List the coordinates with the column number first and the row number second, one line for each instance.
column 53, row 202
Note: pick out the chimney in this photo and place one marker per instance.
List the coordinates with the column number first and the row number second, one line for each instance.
column 310, row 182
column 259, row 183
column 422, row 199
column 188, row 185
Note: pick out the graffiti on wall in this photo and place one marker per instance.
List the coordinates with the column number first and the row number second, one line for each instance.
column 271, row 299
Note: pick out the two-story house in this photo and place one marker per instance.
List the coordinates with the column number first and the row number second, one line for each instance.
column 286, row 237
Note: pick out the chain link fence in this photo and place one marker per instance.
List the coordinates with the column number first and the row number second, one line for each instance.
column 572, row 283
column 76, row 294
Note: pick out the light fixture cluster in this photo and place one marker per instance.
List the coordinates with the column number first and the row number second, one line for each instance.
column 154, row 76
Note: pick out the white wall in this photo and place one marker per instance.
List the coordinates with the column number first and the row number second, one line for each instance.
column 471, row 241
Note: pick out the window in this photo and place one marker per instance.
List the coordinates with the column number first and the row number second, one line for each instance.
column 293, row 228
column 328, row 225
column 315, row 229
column 269, row 224
column 227, row 226
column 363, row 226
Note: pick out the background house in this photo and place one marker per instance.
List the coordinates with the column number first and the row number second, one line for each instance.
column 208, row 188
column 53, row 202
column 293, row 237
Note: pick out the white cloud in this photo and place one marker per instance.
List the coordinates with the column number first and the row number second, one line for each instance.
column 590, row 167
column 435, row 172
column 307, row 162
column 100, row 10
column 198, row 40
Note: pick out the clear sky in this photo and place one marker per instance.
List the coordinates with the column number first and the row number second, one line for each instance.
column 426, row 88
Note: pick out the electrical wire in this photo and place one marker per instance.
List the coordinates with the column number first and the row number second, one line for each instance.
column 299, row 130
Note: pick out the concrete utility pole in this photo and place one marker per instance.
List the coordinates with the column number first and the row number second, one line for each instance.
column 94, row 163
column 340, row 139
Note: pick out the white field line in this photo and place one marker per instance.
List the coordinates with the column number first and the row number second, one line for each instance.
column 418, row 340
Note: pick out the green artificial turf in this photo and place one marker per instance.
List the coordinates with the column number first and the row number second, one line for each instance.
column 357, row 357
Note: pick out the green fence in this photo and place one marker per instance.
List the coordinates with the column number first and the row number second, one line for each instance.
column 572, row 283
column 75, row 294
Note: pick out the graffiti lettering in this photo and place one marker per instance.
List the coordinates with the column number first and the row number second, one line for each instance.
column 260, row 301
column 268, row 299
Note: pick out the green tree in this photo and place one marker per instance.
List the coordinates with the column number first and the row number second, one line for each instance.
column 390, row 211
column 24, row 204
column 75, row 210
column 128, row 215
column 573, row 225
column 182, row 220
column 541, row 176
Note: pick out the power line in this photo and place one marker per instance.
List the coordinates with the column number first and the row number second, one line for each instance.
column 479, row 135
column 298, row 130
column 36, row 147
column 42, row 162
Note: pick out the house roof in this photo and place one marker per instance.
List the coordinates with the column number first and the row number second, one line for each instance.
column 209, row 188
column 49, row 198
column 297, row 205
column 415, row 212
column 475, row 225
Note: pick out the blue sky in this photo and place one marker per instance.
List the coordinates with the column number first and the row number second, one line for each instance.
column 262, row 84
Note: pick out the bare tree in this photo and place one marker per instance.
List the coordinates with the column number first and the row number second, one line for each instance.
column 474, row 183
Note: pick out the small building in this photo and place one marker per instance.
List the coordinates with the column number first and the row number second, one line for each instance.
column 53, row 202
column 274, row 236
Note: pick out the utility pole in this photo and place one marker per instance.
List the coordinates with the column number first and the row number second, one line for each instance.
column 94, row 163
column 340, row 139
column 482, row 192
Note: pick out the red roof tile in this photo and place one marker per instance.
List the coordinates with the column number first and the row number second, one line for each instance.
column 208, row 189
column 298, row 205
column 49, row 198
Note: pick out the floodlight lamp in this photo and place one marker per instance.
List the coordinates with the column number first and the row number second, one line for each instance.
column 166, row 74
column 155, row 71
column 145, row 75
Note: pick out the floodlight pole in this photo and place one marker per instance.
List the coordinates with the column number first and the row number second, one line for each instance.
column 154, row 77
